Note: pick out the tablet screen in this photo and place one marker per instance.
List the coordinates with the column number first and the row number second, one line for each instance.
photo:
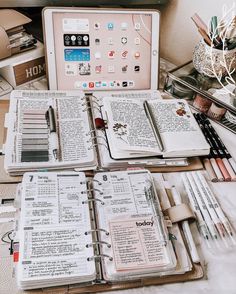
column 100, row 50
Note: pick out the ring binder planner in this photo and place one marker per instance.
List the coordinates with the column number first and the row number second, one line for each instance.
column 30, row 145
column 82, row 242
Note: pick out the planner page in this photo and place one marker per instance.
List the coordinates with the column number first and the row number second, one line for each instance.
column 128, row 129
column 130, row 215
column 53, row 221
column 178, row 128
column 31, row 142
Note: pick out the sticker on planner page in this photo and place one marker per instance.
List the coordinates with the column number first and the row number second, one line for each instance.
column 34, row 139
column 77, row 54
column 75, row 25
column 181, row 110
column 136, row 243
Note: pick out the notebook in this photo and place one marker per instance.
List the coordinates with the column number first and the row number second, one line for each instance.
column 150, row 127
column 97, row 233
column 48, row 130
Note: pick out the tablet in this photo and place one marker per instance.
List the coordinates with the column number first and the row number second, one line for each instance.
column 101, row 49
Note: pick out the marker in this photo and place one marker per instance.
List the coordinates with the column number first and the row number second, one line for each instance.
column 217, row 207
column 195, row 207
column 205, row 199
column 202, row 207
column 213, row 152
column 186, row 229
column 220, row 142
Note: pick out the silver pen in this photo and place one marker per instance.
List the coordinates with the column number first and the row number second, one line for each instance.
column 151, row 119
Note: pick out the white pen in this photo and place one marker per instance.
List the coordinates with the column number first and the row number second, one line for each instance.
column 217, row 207
column 194, row 205
column 186, row 229
column 205, row 199
column 202, row 207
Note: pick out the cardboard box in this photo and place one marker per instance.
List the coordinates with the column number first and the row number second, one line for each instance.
column 28, row 66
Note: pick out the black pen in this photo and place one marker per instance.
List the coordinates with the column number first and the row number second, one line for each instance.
column 51, row 121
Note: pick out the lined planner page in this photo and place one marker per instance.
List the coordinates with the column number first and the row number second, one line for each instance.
column 53, row 222
column 128, row 129
column 31, row 143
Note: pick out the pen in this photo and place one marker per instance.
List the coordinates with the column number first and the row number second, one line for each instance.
column 186, row 229
column 217, row 207
column 228, row 156
column 194, row 205
column 213, row 152
column 151, row 197
column 51, row 121
column 202, row 207
column 210, row 208
column 151, row 119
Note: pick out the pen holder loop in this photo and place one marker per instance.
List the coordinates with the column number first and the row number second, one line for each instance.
column 180, row 213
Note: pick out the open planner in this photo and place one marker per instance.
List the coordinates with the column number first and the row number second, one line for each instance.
column 147, row 127
column 48, row 130
column 100, row 232
column 73, row 130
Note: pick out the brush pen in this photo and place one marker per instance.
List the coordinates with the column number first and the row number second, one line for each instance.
column 205, row 199
column 202, row 207
column 216, row 149
column 194, row 205
column 213, row 153
column 218, row 139
column 220, row 156
column 217, row 207
column 223, row 156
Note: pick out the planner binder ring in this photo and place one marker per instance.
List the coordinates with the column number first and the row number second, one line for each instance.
column 100, row 256
column 83, row 98
column 86, row 109
column 95, row 189
column 95, row 137
column 96, row 144
column 92, row 200
column 96, row 230
column 96, row 181
column 98, row 243
column 98, row 105
column 90, row 132
column 96, row 98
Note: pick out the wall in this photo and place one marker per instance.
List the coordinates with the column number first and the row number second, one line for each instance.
column 178, row 32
